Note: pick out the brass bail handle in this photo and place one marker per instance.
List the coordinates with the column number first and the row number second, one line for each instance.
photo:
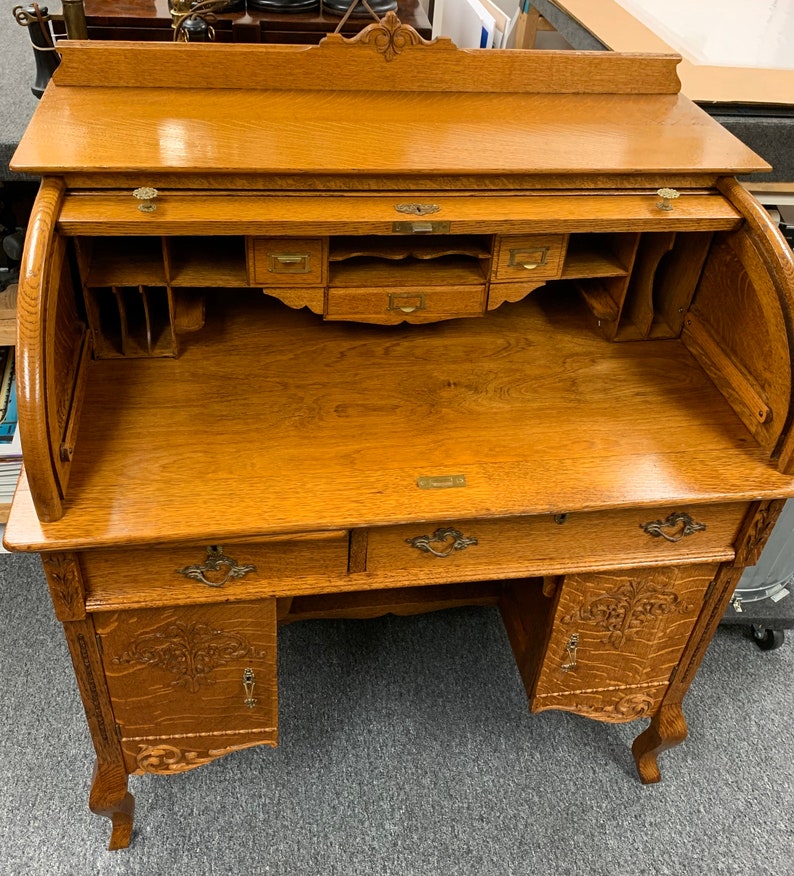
column 217, row 569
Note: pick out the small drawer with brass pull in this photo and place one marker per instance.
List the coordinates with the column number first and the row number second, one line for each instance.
column 535, row 256
column 388, row 306
column 274, row 261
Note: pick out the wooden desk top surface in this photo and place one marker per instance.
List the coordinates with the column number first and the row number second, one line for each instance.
column 443, row 112
column 273, row 422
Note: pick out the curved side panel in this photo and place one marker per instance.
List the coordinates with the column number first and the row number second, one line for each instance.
column 779, row 260
column 741, row 323
column 38, row 284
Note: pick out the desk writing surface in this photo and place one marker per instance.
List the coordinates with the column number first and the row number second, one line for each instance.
column 330, row 426
column 450, row 133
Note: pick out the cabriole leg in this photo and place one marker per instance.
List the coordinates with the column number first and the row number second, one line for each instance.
column 110, row 797
column 668, row 728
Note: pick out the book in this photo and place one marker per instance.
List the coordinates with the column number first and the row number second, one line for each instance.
column 8, row 396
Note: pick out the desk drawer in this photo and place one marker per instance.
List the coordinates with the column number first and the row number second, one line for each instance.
column 279, row 261
column 543, row 545
column 133, row 577
column 616, row 638
column 530, row 256
column 391, row 305
column 190, row 683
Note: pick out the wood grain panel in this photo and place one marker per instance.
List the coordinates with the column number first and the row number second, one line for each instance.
column 416, row 68
column 173, row 672
column 778, row 262
column 631, row 627
column 278, row 214
column 737, row 305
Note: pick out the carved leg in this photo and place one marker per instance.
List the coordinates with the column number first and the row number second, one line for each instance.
column 109, row 797
column 668, row 728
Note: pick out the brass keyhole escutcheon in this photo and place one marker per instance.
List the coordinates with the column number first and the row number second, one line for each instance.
column 249, row 680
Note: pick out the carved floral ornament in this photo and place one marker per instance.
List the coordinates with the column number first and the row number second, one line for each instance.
column 164, row 758
column 389, row 37
column 188, row 651
column 760, row 530
column 627, row 708
column 63, row 577
column 627, row 610
column 612, row 706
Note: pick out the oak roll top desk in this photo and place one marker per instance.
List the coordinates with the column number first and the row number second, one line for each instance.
column 390, row 327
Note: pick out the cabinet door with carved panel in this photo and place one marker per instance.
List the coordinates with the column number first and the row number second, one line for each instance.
column 190, row 684
column 617, row 636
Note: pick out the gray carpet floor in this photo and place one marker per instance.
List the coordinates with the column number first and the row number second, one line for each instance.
column 17, row 74
column 406, row 749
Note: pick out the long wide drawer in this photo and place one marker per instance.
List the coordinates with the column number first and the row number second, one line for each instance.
column 395, row 304
column 547, row 544
column 147, row 576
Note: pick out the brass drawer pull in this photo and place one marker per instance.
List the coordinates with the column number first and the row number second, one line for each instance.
column 290, row 263
column 249, row 680
column 146, row 196
column 217, row 561
column 667, row 197
column 573, row 644
column 406, row 303
column 529, row 259
column 674, row 527
column 451, row 539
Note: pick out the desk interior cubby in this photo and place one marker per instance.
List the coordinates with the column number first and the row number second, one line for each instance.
column 406, row 260
column 141, row 291
column 637, row 286
column 130, row 321
column 217, row 261
column 599, row 255
column 121, row 261
column 145, row 294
